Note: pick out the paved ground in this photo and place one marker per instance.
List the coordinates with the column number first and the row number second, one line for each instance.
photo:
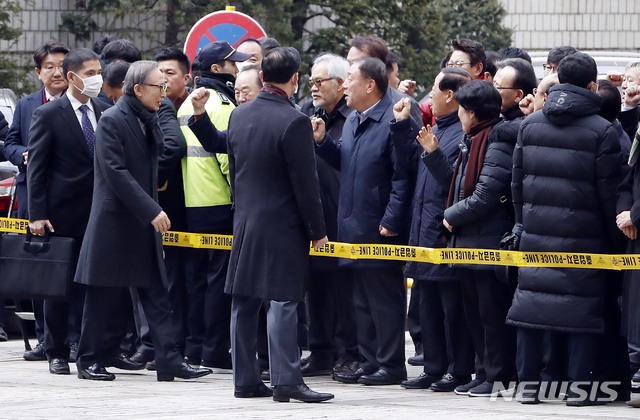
column 27, row 390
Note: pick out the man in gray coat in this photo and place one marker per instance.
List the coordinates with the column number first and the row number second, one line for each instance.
column 277, row 212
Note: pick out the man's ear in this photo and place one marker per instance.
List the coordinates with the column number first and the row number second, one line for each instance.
column 137, row 89
column 449, row 98
column 371, row 85
column 477, row 70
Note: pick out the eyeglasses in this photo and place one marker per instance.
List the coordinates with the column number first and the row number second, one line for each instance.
column 548, row 67
column 163, row 87
column 318, row 82
column 52, row 69
column 504, row 88
column 458, row 63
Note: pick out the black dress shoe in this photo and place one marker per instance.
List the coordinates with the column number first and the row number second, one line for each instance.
column 193, row 361
column 182, row 371
column 449, row 383
column 59, row 367
column 636, row 376
column 285, row 393
column 417, row 360
column 253, row 391
column 381, row 377
column 95, row 372
column 35, row 354
column 151, row 365
column 423, row 381
column 140, row 358
column 266, row 375
column 317, row 367
column 346, row 367
column 122, row 361
column 350, row 378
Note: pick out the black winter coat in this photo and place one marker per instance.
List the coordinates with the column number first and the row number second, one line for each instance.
column 629, row 199
column 375, row 187
column 565, row 173
column 480, row 220
column 276, row 198
column 430, row 197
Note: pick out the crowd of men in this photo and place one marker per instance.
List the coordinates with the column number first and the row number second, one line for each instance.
column 114, row 150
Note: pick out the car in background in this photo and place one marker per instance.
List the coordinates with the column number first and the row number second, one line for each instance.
column 606, row 60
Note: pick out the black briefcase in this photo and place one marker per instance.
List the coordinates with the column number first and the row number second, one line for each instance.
column 36, row 267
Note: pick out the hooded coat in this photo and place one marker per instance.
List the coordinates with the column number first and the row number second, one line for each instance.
column 566, row 167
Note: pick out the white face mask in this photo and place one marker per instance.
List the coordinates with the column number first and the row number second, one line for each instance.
column 92, row 85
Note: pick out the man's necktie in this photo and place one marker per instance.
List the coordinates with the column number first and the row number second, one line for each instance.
column 87, row 128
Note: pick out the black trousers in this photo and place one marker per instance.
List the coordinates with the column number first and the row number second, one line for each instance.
column 62, row 323
column 380, row 299
column 175, row 260
column 581, row 351
column 103, row 319
column 332, row 330
column 413, row 317
column 447, row 343
column 486, row 303
column 209, row 308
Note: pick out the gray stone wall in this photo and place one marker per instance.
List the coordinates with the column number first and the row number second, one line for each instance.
column 40, row 22
column 584, row 24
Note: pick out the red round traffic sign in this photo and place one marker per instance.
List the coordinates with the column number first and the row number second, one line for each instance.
column 229, row 26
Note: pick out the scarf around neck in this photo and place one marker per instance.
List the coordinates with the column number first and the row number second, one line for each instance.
column 479, row 134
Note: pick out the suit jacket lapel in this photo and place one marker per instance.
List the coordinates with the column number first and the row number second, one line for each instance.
column 69, row 115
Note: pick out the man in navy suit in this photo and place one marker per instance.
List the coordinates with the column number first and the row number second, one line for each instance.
column 60, row 179
column 48, row 61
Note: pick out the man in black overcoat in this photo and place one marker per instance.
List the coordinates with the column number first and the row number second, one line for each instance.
column 123, row 242
column 277, row 212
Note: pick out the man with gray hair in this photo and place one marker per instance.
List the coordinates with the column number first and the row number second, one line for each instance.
column 630, row 98
column 332, row 331
column 125, row 225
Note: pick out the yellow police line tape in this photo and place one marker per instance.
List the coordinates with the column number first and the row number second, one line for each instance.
column 406, row 253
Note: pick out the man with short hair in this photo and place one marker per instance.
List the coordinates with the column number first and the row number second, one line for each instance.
column 373, row 46
column 447, row 346
column 175, row 66
column 208, row 203
column 120, row 50
column 535, row 102
column 566, row 167
column 555, row 56
column 332, row 330
column 277, row 213
column 252, row 47
column 468, row 55
column 373, row 207
column 60, row 181
column 515, row 79
column 248, row 84
column 48, row 66
column 630, row 113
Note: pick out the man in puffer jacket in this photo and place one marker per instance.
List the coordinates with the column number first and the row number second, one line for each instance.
column 566, row 167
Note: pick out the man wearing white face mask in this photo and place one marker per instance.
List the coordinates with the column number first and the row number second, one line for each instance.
column 60, row 179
